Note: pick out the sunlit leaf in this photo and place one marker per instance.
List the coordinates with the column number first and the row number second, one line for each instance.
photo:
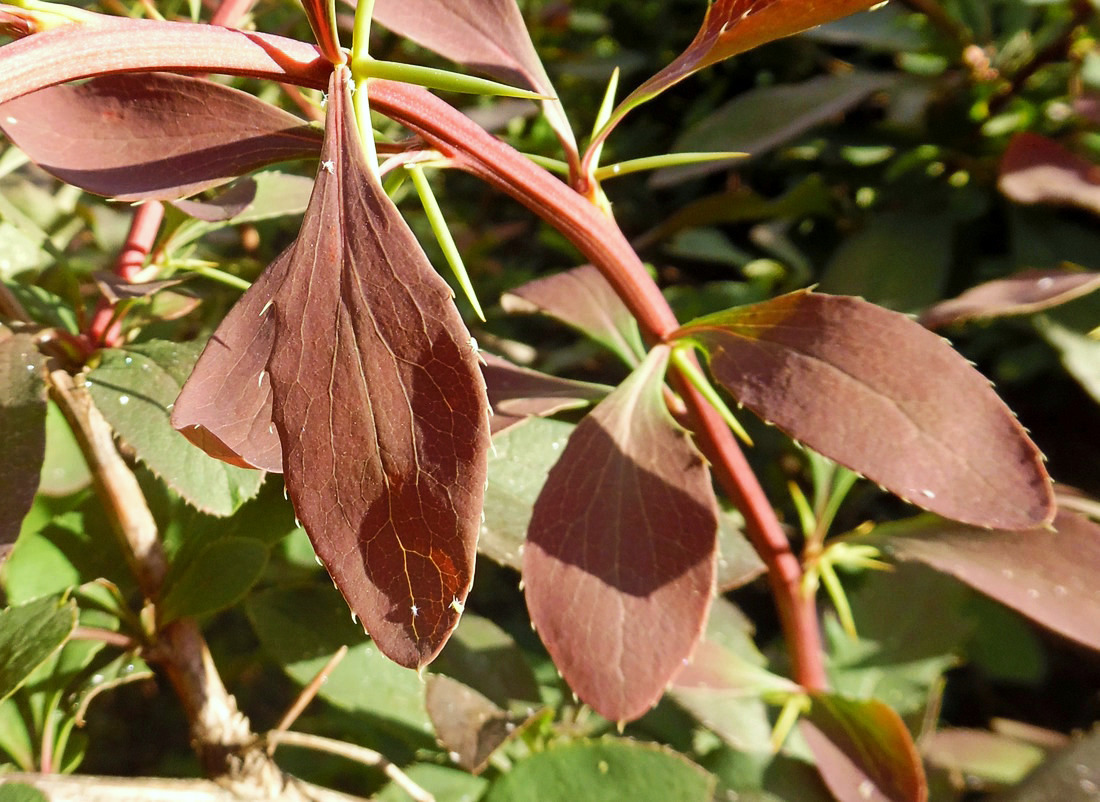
column 224, row 206
column 583, row 299
column 218, row 577
column 1025, row 293
column 734, row 26
column 1035, row 169
column 29, row 635
column 609, row 770
column 152, row 136
column 485, row 35
column 1048, row 576
column 134, row 389
column 879, row 394
column 620, row 556
column 22, row 431
column 487, row 659
column 864, row 751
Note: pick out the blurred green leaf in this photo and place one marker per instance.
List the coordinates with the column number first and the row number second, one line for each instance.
column 29, row 635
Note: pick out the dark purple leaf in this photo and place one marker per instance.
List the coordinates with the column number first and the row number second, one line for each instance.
column 379, row 404
column 583, row 299
column 863, row 751
column 225, row 206
column 22, row 431
column 489, row 36
column 619, row 564
column 152, row 136
column 1025, row 293
column 517, row 393
column 115, row 288
column 1052, row 577
column 1035, row 169
column 876, row 392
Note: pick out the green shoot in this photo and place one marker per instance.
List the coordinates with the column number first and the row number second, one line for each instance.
column 602, row 116
column 431, row 78
column 665, row 160
column 690, row 372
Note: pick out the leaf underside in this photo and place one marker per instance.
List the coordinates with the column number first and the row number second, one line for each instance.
column 876, row 392
column 619, row 565
column 1035, row 169
column 152, row 136
column 376, row 398
column 1025, row 293
column 517, row 393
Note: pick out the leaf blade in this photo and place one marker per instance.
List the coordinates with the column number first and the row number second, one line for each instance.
column 877, row 393
column 22, row 431
column 621, row 549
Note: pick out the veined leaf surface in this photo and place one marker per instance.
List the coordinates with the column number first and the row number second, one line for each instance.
column 619, row 564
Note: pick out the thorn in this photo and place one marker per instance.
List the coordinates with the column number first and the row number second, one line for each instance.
column 266, row 307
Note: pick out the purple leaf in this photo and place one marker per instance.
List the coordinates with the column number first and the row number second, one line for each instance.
column 379, row 404
column 863, row 751
column 583, row 299
column 619, row 565
column 468, row 725
column 225, row 206
column 376, row 396
column 1025, row 293
column 1035, row 169
column 876, row 392
column 152, row 136
column 517, row 393
column 489, row 36
column 1049, row 576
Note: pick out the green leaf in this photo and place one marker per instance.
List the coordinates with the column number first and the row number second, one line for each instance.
column 443, row 783
column 20, row 792
column 607, row 770
column 300, row 628
column 15, row 739
column 64, row 469
column 1080, row 354
column 135, row 389
column 29, row 635
column 217, row 578
column 22, row 431
column 485, row 657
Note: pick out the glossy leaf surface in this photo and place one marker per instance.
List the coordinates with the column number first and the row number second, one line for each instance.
column 877, row 393
column 864, row 751
column 619, row 564
column 377, row 399
column 134, row 389
column 1050, row 577
column 583, row 299
column 22, row 431
column 152, row 136
column 1025, row 293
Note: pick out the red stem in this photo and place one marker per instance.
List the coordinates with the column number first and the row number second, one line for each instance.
column 105, row 328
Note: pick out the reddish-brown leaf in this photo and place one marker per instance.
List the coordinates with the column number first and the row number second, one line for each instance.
column 863, row 751
column 878, row 393
column 734, row 26
column 1052, row 577
column 1035, row 169
column 583, row 299
column 379, row 405
column 517, row 393
column 1025, row 293
column 152, row 136
column 225, row 407
column 467, row 724
column 489, row 36
column 619, row 563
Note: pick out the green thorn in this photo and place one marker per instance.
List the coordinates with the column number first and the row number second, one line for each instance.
column 700, row 382
column 220, row 276
column 364, row 11
column 432, row 78
column 602, row 116
column 839, row 598
column 443, row 235
column 805, row 514
column 792, row 710
column 665, row 160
